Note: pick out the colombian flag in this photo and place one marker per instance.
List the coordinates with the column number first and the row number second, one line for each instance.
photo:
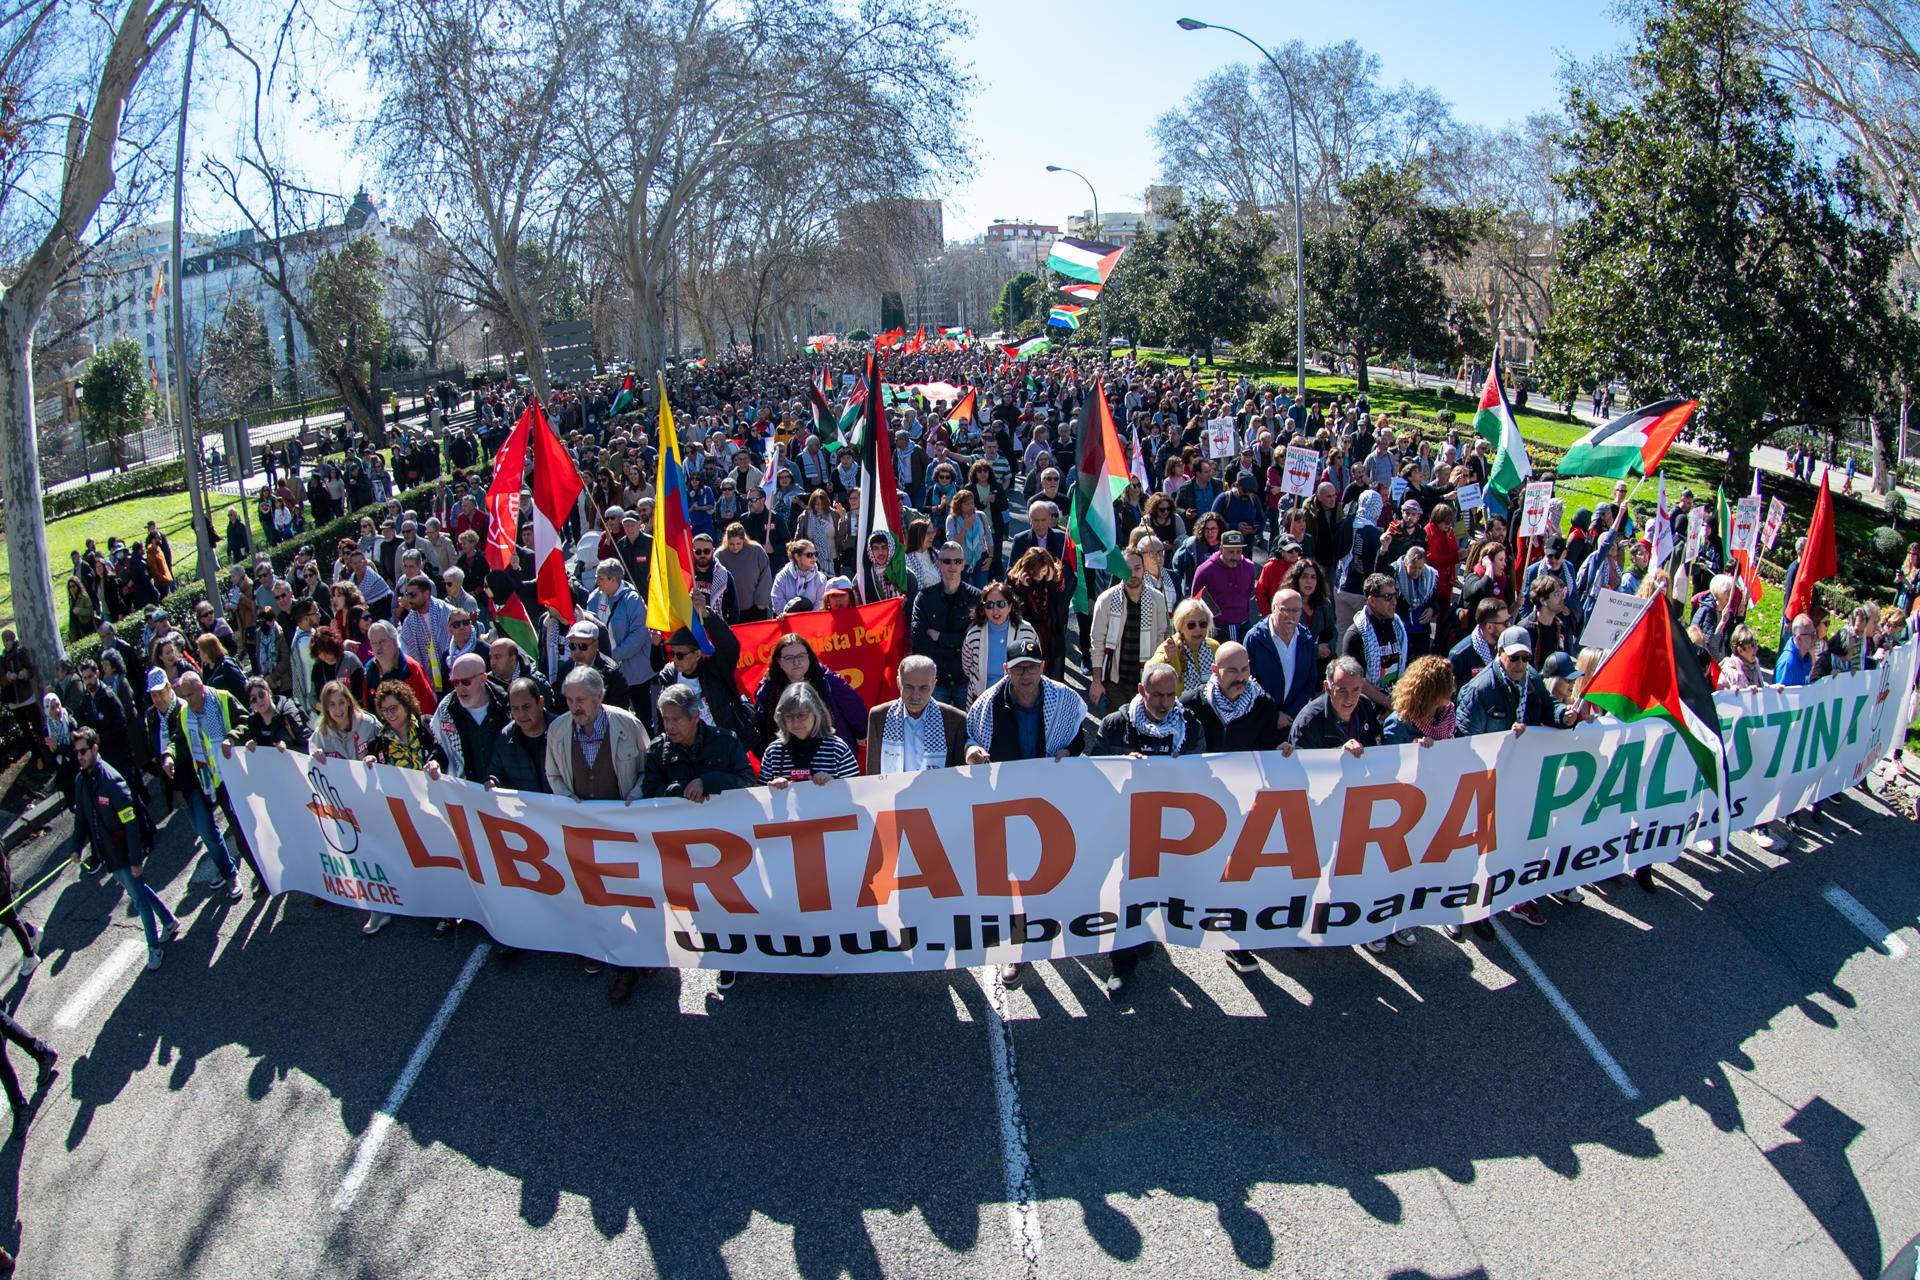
column 670, row 574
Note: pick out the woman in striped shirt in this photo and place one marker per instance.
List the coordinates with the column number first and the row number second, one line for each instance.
column 805, row 748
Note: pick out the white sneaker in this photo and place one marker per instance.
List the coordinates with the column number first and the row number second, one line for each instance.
column 29, row 963
column 1702, row 846
column 1574, row 896
column 1242, row 961
column 1406, row 937
column 376, row 921
column 1114, row 983
column 1378, row 946
column 1763, row 835
column 153, row 958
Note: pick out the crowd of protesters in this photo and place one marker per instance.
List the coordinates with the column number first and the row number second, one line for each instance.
column 1391, row 606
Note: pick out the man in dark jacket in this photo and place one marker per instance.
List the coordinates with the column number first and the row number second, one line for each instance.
column 506, row 663
column 104, row 818
column 1155, row 722
column 942, row 616
column 1234, row 712
column 270, row 721
column 1476, row 650
column 467, row 724
column 1510, row 695
column 1285, row 657
column 519, row 759
column 1343, row 716
column 711, row 675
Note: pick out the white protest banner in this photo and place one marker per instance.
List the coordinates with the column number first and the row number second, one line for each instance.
column 1221, row 440
column 1612, row 613
column 1397, row 487
column 1696, row 532
column 1776, row 516
column 1533, row 515
column 1468, row 498
column 994, row 863
column 1743, row 531
column 1302, row 469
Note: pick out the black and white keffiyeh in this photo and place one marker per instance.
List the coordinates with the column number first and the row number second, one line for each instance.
column 930, row 728
column 1172, row 730
column 1231, row 710
column 1376, row 654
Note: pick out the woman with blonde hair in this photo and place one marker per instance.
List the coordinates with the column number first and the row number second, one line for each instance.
column 1190, row 646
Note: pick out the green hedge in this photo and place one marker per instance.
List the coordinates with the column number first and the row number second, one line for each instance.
column 159, row 477
column 180, row 604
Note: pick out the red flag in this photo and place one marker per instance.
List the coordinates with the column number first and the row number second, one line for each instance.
column 503, row 495
column 919, row 340
column 556, row 487
column 1820, row 559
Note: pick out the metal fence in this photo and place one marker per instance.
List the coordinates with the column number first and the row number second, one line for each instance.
column 69, row 459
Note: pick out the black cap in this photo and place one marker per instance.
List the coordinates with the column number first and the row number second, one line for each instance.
column 1233, row 539
column 1024, row 651
column 1556, row 545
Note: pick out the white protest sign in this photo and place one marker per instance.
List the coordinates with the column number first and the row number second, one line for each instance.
column 1469, row 498
column 1399, row 488
column 1221, row 441
column 1302, row 468
column 1660, row 538
column 1613, row 612
column 1696, row 532
column 1533, row 515
column 1776, row 516
column 1744, row 533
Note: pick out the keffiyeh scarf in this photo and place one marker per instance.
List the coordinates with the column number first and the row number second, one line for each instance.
column 1062, row 710
column 1172, row 730
column 930, row 728
column 1376, row 655
column 1229, row 711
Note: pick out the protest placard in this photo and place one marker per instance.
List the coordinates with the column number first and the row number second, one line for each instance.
column 1301, row 469
column 1533, row 515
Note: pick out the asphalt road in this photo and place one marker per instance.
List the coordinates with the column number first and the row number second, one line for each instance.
column 1430, row 1112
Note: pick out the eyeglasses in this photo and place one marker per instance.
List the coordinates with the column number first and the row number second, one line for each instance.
column 579, row 646
column 996, row 604
column 677, row 654
column 464, row 681
column 1193, row 626
column 951, row 560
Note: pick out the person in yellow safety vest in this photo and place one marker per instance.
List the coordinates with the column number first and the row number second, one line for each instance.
column 197, row 723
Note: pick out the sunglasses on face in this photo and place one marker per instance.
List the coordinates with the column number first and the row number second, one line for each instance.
column 951, row 560
column 579, row 646
column 996, row 604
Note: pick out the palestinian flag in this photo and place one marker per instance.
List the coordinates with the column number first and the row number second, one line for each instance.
column 510, row 620
column 1085, row 260
column 1653, row 673
column 1024, row 350
column 1085, row 292
column 1099, row 480
column 1631, row 444
column 623, row 401
column 824, row 424
column 879, row 490
column 964, row 411
column 1065, row 316
column 958, row 334
column 1494, row 423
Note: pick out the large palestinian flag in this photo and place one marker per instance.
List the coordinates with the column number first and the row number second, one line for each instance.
column 1494, row 423
column 879, row 488
column 1099, row 480
column 1025, row 350
column 1652, row 672
column 1087, row 260
column 1631, row 444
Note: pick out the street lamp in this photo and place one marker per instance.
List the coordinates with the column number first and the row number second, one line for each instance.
column 486, row 345
column 1299, row 238
column 1060, row 168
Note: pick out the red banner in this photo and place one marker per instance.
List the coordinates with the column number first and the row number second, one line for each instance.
column 864, row 644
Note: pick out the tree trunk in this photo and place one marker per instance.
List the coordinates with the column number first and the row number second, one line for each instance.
column 1882, row 481
column 1360, row 368
column 34, row 616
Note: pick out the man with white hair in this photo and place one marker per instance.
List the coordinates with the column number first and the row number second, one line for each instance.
column 1043, row 519
column 595, row 751
column 624, row 614
column 390, row 662
column 913, row 732
column 1717, row 615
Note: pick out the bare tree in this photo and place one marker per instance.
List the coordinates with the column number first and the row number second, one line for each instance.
column 428, row 309
column 1854, row 66
column 58, row 167
column 474, row 92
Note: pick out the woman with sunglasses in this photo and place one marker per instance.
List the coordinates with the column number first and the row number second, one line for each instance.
column 1190, row 646
column 997, row 629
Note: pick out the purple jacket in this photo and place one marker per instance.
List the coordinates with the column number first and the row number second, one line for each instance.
column 1229, row 592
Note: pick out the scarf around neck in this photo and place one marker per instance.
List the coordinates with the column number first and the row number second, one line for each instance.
column 930, row 728
column 1229, row 711
column 1172, row 730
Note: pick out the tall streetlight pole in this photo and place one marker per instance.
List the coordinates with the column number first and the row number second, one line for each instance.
column 1098, row 230
column 1060, row 168
column 1299, row 236
column 190, row 434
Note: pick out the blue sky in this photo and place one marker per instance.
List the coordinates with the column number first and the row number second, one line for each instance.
column 1080, row 82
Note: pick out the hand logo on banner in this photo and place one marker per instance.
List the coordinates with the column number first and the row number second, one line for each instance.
column 1302, row 468
column 338, row 827
column 1533, row 516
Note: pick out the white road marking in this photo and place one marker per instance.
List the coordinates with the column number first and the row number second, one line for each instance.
column 382, row 1123
column 1023, row 1213
column 118, row 961
column 1876, row 930
column 1608, row 1063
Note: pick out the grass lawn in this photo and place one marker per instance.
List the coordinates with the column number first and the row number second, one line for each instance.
column 127, row 520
